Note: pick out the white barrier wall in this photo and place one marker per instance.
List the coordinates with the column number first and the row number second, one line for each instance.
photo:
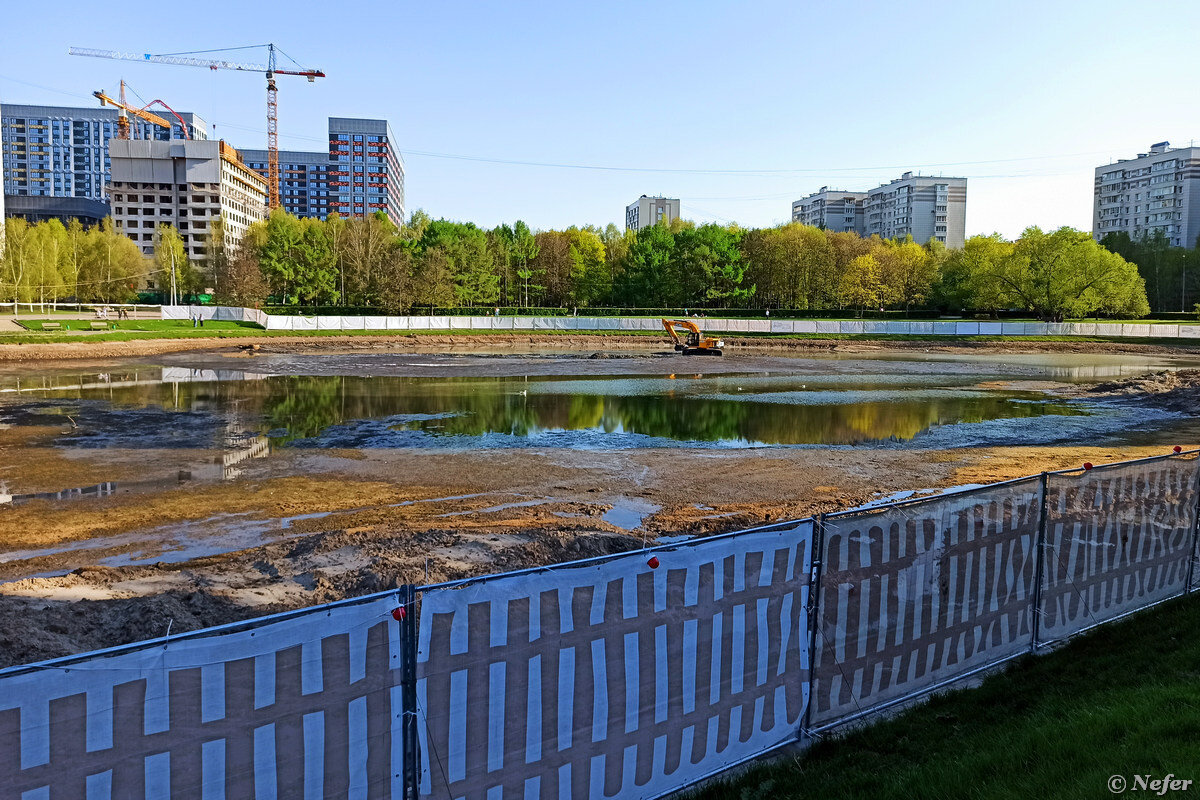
column 751, row 327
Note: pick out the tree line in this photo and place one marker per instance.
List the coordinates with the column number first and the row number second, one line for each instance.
column 428, row 263
column 1172, row 273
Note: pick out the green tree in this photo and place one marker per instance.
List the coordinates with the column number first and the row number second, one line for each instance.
column 525, row 250
column 172, row 266
column 860, row 285
column 1065, row 273
column 648, row 267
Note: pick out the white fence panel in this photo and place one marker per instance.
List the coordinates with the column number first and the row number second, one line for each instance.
column 624, row 678
column 299, row 707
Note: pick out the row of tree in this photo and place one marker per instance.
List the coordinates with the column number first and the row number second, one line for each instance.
column 1172, row 273
column 438, row 263
column 370, row 262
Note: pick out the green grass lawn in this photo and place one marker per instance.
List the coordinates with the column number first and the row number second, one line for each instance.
column 1122, row 700
column 157, row 325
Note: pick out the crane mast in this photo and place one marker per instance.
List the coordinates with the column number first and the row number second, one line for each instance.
column 269, row 69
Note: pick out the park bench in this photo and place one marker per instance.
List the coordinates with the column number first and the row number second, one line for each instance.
column 52, row 326
column 99, row 326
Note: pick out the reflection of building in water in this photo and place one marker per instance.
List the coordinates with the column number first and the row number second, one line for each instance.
column 99, row 490
column 239, row 447
column 107, row 380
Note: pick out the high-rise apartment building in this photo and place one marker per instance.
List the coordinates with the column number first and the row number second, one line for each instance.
column 647, row 211
column 185, row 184
column 61, row 151
column 832, row 210
column 1157, row 192
column 361, row 173
column 303, row 180
column 919, row 206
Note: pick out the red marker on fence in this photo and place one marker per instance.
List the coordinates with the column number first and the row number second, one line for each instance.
column 399, row 614
column 653, row 562
column 1087, row 465
column 1178, row 449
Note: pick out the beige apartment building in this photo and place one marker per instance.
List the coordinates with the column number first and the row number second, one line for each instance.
column 187, row 184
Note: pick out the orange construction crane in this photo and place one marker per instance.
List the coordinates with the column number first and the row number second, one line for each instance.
column 269, row 69
column 124, row 109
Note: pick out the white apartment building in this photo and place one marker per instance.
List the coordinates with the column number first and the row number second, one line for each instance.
column 919, row 206
column 647, row 211
column 1158, row 191
column 832, row 210
column 187, row 184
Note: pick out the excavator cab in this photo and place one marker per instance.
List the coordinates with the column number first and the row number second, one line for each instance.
column 695, row 343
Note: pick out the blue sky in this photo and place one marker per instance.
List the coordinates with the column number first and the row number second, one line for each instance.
column 737, row 108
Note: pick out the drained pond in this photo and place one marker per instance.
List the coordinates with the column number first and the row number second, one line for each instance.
column 381, row 401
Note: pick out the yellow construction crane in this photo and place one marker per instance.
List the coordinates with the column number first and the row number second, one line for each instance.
column 125, row 109
column 186, row 60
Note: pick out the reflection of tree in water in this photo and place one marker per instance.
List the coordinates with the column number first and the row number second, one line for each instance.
column 306, row 406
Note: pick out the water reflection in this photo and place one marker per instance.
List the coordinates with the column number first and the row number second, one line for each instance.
column 245, row 414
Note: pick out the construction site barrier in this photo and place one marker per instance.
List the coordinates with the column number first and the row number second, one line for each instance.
column 278, row 322
column 633, row 675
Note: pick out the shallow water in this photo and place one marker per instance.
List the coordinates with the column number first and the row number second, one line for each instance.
column 889, row 399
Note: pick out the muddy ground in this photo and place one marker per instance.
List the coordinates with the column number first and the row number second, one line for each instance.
column 81, row 574
column 516, row 342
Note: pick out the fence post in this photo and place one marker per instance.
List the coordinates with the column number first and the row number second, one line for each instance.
column 814, row 619
column 1191, row 570
column 1039, row 567
column 411, row 774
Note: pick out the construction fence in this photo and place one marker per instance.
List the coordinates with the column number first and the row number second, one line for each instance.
column 710, row 324
column 634, row 675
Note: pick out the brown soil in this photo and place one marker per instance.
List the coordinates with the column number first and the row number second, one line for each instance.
column 85, row 349
column 369, row 543
column 140, row 562
column 1172, row 391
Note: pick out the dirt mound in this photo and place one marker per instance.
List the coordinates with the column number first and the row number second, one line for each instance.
column 32, row 629
column 1177, row 390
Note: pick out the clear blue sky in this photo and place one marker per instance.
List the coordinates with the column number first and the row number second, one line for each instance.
column 1024, row 98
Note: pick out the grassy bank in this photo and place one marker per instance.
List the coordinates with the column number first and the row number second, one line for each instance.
column 1123, row 700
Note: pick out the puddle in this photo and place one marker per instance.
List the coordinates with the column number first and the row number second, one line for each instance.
column 627, row 513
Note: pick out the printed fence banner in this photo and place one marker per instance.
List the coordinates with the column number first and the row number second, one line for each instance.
column 300, row 707
column 1117, row 539
column 615, row 678
column 915, row 594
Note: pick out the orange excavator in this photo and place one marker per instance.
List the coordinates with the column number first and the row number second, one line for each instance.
column 696, row 343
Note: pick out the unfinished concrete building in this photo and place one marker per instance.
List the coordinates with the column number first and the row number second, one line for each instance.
column 187, row 184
